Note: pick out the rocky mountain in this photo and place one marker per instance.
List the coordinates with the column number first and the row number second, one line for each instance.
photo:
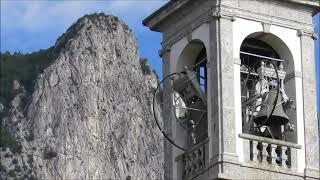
column 89, row 115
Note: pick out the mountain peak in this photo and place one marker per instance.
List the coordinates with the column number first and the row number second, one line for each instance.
column 89, row 114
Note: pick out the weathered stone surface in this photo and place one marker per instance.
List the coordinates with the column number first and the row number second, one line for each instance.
column 90, row 114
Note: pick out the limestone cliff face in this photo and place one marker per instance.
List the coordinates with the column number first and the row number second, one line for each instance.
column 90, row 115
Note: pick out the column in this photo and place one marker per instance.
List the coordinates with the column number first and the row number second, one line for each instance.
column 222, row 90
column 168, row 147
column 309, row 98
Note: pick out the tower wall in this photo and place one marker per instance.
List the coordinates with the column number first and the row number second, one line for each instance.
column 222, row 26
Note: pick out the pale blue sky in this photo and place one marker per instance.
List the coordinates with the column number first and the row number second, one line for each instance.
column 28, row 26
column 316, row 21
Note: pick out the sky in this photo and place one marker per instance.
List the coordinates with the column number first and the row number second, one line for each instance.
column 28, row 26
column 316, row 22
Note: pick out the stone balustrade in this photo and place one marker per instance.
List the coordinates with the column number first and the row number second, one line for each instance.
column 269, row 151
column 193, row 161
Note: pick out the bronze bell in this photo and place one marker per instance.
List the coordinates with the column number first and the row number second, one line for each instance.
column 278, row 117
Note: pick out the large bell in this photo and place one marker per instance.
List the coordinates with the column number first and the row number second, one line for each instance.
column 278, row 117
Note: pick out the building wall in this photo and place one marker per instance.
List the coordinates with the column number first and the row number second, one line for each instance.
column 222, row 32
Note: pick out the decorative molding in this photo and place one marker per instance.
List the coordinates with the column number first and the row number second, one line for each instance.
column 234, row 18
column 189, row 33
column 216, row 14
column 308, row 33
column 266, row 27
column 269, row 168
column 161, row 14
column 225, row 158
column 209, row 19
column 181, row 32
column 251, row 137
column 312, row 173
column 276, row 20
column 293, row 74
column 237, row 61
column 162, row 51
column 228, row 15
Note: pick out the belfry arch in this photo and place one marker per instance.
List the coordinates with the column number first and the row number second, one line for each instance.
column 190, row 54
column 193, row 58
column 255, row 49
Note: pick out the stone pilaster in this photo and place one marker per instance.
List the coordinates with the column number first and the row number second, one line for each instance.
column 222, row 90
column 227, row 106
column 168, row 147
column 309, row 96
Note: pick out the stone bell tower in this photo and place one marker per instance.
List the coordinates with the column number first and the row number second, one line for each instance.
column 241, row 89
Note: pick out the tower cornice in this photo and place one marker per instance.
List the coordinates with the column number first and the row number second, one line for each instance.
column 156, row 19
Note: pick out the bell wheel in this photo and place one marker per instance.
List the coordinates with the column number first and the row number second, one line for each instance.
column 178, row 98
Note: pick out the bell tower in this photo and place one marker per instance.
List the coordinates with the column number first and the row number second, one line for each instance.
column 238, row 89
